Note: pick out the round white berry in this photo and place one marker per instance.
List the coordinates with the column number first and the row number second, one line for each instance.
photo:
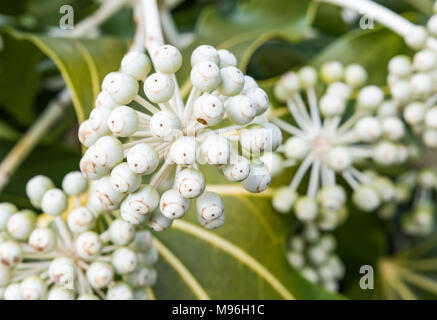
column 124, row 260
column 74, row 183
column 288, row 85
column 370, row 97
column 123, row 121
column 284, row 199
column 173, row 205
column 36, row 187
column 296, row 148
column 414, row 113
column 136, row 64
column 249, row 82
column 232, row 81
column 339, row 158
column 10, row 253
column 259, row 98
column 385, row 153
column 184, row 150
column 274, row 162
column 57, row 293
column 430, row 138
column 159, row 87
column 109, row 197
column 400, row 66
column 425, row 60
column 421, row 85
column 432, row 25
column 431, row 118
column 91, row 169
column 42, row 239
column 100, row 274
column 164, row 124
column 142, row 202
column 33, row 288
column 80, row 220
column 131, row 216
column 226, row 58
column 104, row 100
column 417, row 37
column 331, row 71
column 388, row 109
column 121, row 87
column 5, row 276
column 167, row 59
column 355, row 75
column 210, row 205
column 62, row 272
column 393, row 128
column 13, row 292
column 98, row 120
column 366, row 198
column 258, row 180
column 121, row 232
column 87, row 136
column 6, row 211
column 332, row 105
column 205, row 76
column 142, row 159
column 120, row 291
column 54, row 202
column 308, row 77
column 339, row 89
column 88, row 245
column 305, row 208
column 123, row 179
column 212, row 224
column 368, row 129
column 107, row 152
column 215, row 150
column 208, row 109
column 204, row 53
column 240, row 109
column 159, row 222
column 332, row 197
column 401, row 91
column 237, row 170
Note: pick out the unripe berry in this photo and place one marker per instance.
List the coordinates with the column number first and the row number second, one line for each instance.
column 296, row 148
column 385, row 153
column 6, row 211
column 33, row 288
column 121, row 232
column 393, row 128
column 167, row 59
column 259, row 98
column 332, row 197
column 36, row 188
column 164, row 124
column 421, row 85
column 158, row 222
column 417, row 37
column 430, row 138
column 98, row 120
column 258, row 180
column 431, row 118
column 414, row 113
column 368, row 129
column 400, row 66
column 74, row 183
column 80, row 220
column 57, row 293
column 13, row 292
column 317, row 255
column 142, row 277
column 366, row 198
column 428, row 179
column 142, row 241
column 159, row 87
column 432, row 24
column 136, row 64
column 237, row 170
column 208, row 109
column 385, row 188
column 54, row 202
column 184, row 150
column 10, row 253
column 120, row 291
column 99, row 274
column 310, row 274
column 232, row 81
column 142, row 202
column 212, row 224
column 205, row 76
column 240, row 109
column 331, row 71
column 401, row 91
column 308, row 77
column 355, row 75
column 370, row 97
column 215, row 150
column 107, row 152
column 226, row 58
column 124, row 180
column 274, row 134
column 332, row 105
column 121, row 87
column 425, row 60
column 287, row 86
column 87, row 136
column 284, row 199
column 142, row 159
column 311, row 233
column 131, row 216
column 204, row 53
column 249, row 82
column 388, row 109
column 88, row 245
column 210, row 205
column 5, row 276
column 90, row 169
column 123, row 121
column 339, row 158
column 104, row 100
column 62, row 272
column 124, row 260
column 42, row 240
column 173, row 205
column 109, row 197
column 295, row 259
column 305, row 208
column 339, row 89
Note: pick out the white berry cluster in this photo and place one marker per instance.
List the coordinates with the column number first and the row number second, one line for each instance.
column 313, row 255
column 343, row 127
column 158, row 142
column 70, row 252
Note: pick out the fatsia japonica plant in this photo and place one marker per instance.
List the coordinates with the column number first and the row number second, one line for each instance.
column 218, row 150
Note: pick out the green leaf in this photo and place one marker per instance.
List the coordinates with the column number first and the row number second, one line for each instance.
column 371, row 48
column 83, row 63
column 243, row 259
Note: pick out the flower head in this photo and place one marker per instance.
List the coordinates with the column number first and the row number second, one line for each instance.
column 71, row 251
column 161, row 140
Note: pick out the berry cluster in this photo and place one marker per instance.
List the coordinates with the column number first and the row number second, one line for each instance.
column 71, row 252
column 332, row 142
column 313, row 255
column 162, row 141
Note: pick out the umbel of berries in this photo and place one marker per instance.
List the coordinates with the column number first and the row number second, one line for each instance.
column 137, row 144
column 330, row 143
column 313, row 255
column 71, row 252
